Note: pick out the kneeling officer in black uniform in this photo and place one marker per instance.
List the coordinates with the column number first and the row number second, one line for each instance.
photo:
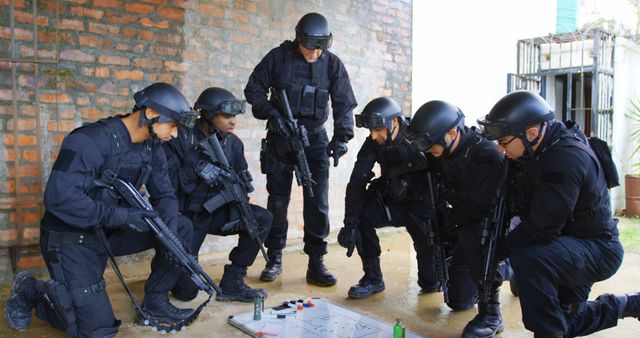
column 75, row 300
column 392, row 199
column 189, row 169
column 469, row 169
column 567, row 239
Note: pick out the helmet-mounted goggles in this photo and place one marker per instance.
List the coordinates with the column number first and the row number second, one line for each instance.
column 233, row 107
column 316, row 42
column 371, row 121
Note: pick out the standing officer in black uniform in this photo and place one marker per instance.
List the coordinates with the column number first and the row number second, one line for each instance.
column 469, row 168
column 75, row 300
column 310, row 74
column 567, row 239
column 393, row 199
column 218, row 109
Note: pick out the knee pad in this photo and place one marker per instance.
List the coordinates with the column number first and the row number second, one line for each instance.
column 278, row 207
column 59, row 300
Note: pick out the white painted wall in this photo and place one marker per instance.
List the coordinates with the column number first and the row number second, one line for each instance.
column 463, row 49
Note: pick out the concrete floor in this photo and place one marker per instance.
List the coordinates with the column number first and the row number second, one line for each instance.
column 424, row 314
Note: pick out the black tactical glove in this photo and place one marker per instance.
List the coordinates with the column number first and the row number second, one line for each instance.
column 349, row 237
column 135, row 219
column 278, row 125
column 397, row 189
column 336, row 149
column 208, row 172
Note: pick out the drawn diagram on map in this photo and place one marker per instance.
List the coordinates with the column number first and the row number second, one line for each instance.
column 324, row 319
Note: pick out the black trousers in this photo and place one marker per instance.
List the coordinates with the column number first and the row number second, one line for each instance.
column 83, row 266
column 555, row 279
column 279, row 171
column 411, row 215
column 244, row 254
column 467, row 267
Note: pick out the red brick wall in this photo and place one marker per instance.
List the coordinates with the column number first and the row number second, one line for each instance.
column 97, row 53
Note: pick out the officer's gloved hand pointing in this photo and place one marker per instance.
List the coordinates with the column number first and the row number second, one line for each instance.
column 336, row 149
column 349, row 236
column 135, row 219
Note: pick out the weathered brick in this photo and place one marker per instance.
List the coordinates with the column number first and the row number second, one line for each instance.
column 107, row 3
column 128, row 74
column 20, row 34
column 176, row 66
column 25, row 17
column 99, row 28
column 7, row 235
column 55, row 98
column 145, row 62
column 139, row 8
column 173, row 13
column 23, row 124
column 31, row 233
column 8, row 155
column 88, row 71
column 62, row 125
column 118, row 18
column 154, row 23
column 89, row 12
column 81, row 101
column 30, row 262
column 76, row 55
column 246, row 6
column 102, row 72
column 71, row 24
column 8, row 186
column 91, row 41
column 113, row 60
column 211, row 10
column 27, row 140
column 90, row 114
column 30, row 156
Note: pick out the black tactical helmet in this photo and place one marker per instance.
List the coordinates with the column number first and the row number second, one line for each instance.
column 431, row 122
column 214, row 100
column 378, row 112
column 312, row 32
column 168, row 101
column 514, row 113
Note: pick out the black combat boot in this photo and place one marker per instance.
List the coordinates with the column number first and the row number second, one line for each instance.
column 22, row 300
column 488, row 322
column 371, row 282
column 632, row 305
column 317, row 272
column 234, row 288
column 274, row 267
column 158, row 306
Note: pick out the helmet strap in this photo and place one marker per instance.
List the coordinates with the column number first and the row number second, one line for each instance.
column 528, row 145
column 447, row 146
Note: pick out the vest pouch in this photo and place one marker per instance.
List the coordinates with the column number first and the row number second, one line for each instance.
column 322, row 100
column 294, row 94
column 307, row 102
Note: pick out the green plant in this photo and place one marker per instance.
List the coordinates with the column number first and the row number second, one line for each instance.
column 634, row 115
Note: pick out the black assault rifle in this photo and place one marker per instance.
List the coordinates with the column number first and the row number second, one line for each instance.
column 234, row 189
column 295, row 140
column 163, row 234
column 493, row 230
column 168, row 241
column 436, row 238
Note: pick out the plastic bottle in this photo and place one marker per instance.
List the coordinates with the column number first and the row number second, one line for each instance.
column 398, row 330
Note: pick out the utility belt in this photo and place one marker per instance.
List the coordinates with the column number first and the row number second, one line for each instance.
column 51, row 222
